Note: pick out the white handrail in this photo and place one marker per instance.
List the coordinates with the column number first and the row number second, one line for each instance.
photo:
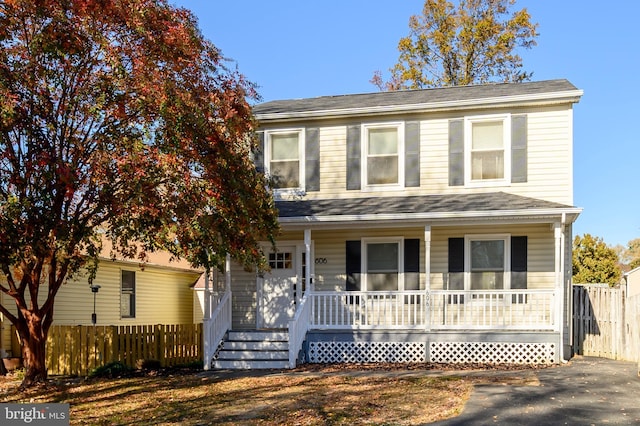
column 494, row 309
column 298, row 328
column 216, row 327
column 435, row 309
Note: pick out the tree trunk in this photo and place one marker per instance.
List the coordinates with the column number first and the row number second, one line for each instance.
column 33, row 351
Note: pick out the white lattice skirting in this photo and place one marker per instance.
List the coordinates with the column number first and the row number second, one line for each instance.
column 356, row 352
column 493, row 352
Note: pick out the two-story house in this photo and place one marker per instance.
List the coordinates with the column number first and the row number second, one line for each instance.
column 428, row 225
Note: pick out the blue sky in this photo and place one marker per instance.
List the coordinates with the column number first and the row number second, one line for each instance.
column 299, row 49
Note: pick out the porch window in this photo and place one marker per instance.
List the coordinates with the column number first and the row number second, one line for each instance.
column 382, row 266
column 285, row 151
column 487, row 264
column 128, row 294
column 383, row 151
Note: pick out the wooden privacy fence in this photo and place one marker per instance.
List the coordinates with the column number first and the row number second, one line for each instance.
column 606, row 323
column 79, row 349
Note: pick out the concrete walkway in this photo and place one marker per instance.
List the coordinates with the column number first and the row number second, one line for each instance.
column 586, row 391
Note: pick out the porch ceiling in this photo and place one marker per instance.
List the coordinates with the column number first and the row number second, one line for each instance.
column 433, row 208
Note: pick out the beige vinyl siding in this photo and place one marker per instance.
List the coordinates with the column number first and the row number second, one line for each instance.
column 330, row 276
column 332, row 246
column 163, row 296
column 540, row 251
column 549, row 156
column 333, row 160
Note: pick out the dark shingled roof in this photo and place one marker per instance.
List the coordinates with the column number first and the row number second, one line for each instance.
column 413, row 97
column 452, row 203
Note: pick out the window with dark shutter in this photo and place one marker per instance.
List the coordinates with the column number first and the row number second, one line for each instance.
column 353, row 265
column 456, row 152
column 519, row 266
column 353, row 157
column 518, row 148
column 412, row 154
column 456, row 269
column 258, row 154
column 412, row 264
column 312, row 159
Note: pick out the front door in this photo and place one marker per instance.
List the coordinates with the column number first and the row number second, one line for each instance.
column 278, row 296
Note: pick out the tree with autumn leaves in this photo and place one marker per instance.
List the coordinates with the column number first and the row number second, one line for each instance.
column 119, row 122
column 471, row 42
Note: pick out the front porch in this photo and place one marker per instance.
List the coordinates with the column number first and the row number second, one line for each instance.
column 505, row 326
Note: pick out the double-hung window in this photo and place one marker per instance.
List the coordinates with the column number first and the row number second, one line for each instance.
column 285, row 151
column 383, row 149
column 128, row 294
column 383, row 264
column 487, row 260
column 488, row 149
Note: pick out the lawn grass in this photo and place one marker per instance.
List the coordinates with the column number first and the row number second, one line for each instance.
column 316, row 397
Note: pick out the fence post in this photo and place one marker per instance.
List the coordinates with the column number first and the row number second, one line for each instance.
column 159, row 341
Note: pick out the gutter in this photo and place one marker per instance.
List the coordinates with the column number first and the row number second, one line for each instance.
column 370, row 217
column 572, row 96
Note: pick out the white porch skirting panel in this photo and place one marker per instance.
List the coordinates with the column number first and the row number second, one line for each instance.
column 493, row 352
column 363, row 352
column 328, row 347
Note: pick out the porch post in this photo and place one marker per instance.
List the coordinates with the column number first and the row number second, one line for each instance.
column 427, row 275
column 308, row 282
column 207, row 295
column 227, row 273
column 558, row 231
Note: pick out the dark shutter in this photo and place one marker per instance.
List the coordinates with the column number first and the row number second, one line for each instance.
column 412, row 264
column 353, row 157
column 353, row 265
column 519, row 262
column 456, row 152
column 258, row 154
column 456, row 264
column 312, row 160
column 412, row 153
column 519, row 148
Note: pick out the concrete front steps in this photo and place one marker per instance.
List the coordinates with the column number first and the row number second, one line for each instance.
column 253, row 350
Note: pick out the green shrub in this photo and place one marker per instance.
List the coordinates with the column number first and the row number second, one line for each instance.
column 113, row 369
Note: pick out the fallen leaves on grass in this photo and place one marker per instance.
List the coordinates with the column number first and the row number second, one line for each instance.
column 315, row 395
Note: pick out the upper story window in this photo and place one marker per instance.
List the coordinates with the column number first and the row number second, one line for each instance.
column 285, row 159
column 487, row 149
column 384, row 155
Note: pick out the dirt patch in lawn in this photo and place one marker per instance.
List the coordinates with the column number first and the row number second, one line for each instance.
column 313, row 395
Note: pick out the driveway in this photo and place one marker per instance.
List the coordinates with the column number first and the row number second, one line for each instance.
column 586, row 391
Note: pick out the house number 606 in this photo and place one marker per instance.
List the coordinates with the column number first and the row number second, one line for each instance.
column 321, row 260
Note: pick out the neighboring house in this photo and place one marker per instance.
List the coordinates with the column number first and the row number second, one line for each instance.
column 427, row 225
column 160, row 292
column 632, row 280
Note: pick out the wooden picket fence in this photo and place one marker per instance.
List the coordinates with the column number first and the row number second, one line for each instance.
column 77, row 350
column 606, row 323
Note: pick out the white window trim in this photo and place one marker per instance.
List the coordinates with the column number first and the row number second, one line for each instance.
column 363, row 259
column 135, row 292
column 487, row 237
column 468, row 139
column 364, row 137
column 301, row 156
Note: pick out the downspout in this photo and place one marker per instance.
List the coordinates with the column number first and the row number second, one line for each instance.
column 563, row 286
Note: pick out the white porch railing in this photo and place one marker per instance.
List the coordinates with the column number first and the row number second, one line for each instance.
column 298, row 328
column 435, row 310
column 215, row 328
column 375, row 309
column 499, row 309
